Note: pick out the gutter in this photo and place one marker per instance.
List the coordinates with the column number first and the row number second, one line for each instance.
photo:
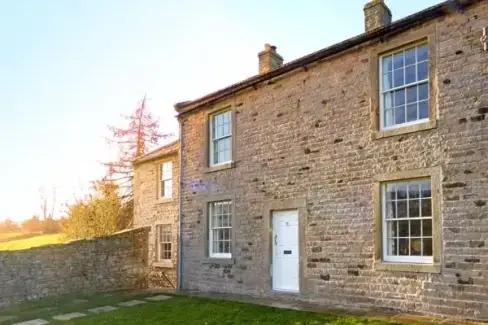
column 378, row 34
column 179, row 271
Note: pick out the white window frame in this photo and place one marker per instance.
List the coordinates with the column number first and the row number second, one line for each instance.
column 166, row 176
column 384, row 230
column 211, row 228
column 213, row 140
column 405, row 86
column 160, row 241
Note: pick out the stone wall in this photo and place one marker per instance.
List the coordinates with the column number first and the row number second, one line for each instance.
column 310, row 135
column 107, row 263
column 151, row 210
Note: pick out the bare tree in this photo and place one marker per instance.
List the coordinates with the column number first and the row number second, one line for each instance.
column 138, row 137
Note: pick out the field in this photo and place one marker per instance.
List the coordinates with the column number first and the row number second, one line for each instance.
column 24, row 243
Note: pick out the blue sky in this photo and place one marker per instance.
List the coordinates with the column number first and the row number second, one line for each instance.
column 69, row 68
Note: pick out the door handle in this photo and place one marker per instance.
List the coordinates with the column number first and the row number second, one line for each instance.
column 275, row 240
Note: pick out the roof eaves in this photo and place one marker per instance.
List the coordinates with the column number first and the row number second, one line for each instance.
column 388, row 30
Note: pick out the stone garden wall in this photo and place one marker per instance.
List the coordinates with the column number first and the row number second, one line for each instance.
column 108, row 263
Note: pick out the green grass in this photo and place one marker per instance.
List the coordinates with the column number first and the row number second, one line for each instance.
column 33, row 242
column 178, row 311
column 4, row 237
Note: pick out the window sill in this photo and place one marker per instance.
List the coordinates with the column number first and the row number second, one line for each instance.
column 167, row 264
column 212, row 169
column 166, row 200
column 431, row 124
column 407, row 267
column 221, row 261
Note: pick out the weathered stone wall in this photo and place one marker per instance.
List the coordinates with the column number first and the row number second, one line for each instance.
column 150, row 210
column 107, row 263
column 309, row 135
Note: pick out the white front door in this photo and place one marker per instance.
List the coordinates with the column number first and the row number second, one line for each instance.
column 285, row 267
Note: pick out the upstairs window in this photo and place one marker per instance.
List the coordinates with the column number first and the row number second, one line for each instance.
column 166, row 181
column 404, row 87
column 220, row 138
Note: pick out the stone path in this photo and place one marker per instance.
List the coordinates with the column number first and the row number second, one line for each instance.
column 97, row 310
column 69, row 316
column 131, row 303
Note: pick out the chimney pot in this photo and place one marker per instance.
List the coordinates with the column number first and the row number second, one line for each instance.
column 376, row 15
column 269, row 59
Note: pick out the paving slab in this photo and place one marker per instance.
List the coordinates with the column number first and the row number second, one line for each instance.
column 131, row 303
column 69, row 316
column 79, row 301
column 158, row 298
column 34, row 322
column 102, row 309
column 4, row 319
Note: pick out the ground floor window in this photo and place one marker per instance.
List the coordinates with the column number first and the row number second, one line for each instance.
column 407, row 221
column 220, row 229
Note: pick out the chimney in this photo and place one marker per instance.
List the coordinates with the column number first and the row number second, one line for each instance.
column 376, row 15
column 269, row 59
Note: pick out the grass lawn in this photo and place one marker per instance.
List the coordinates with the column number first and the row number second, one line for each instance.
column 33, row 242
column 179, row 310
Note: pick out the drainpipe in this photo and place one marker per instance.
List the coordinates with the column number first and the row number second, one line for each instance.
column 180, row 204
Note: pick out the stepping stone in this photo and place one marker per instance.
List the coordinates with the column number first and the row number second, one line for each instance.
column 103, row 309
column 33, row 322
column 158, row 298
column 131, row 303
column 79, row 301
column 4, row 319
column 69, row 316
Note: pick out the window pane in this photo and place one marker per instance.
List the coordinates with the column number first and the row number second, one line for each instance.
column 398, row 77
column 392, row 229
column 402, row 190
column 414, row 209
column 425, row 188
column 392, row 246
column 402, row 209
column 387, row 80
column 403, row 247
column 412, row 94
column 388, row 100
column 168, row 188
column 398, row 61
column 413, row 190
column 410, row 56
column 427, row 247
column 400, row 97
column 423, row 110
column 415, row 246
column 412, row 112
column 390, row 210
column 422, row 71
column 387, row 64
column 162, row 188
column 403, row 228
column 389, row 117
column 426, row 208
column 423, row 91
column 410, row 74
column 390, row 192
column 415, row 228
column 422, row 53
column 427, row 227
column 399, row 114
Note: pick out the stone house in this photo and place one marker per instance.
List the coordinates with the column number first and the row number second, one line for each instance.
column 156, row 178
column 355, row 176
